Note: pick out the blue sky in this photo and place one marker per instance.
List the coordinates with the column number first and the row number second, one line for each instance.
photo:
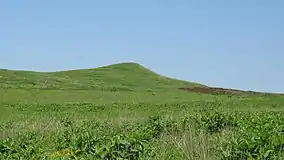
column 235, row 44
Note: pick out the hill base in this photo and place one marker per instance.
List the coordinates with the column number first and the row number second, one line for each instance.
column 214, row 90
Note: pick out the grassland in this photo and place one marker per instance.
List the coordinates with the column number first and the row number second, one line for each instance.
column 125, row 111
column 122, row 77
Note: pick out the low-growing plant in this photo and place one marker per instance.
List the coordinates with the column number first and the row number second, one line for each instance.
column 258, row 136
column 215, row 120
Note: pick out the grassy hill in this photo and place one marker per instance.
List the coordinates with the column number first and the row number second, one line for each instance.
column 117, row 77
column 68, row 115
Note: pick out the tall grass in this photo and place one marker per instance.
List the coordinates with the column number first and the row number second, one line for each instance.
column 141, row 131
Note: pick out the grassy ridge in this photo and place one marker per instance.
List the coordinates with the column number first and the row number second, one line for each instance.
column 117, row 77
column 95, row 114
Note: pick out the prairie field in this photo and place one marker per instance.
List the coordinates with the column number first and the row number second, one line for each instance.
column 125, row 111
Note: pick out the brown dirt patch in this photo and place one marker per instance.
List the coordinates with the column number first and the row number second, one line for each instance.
column 212, row 90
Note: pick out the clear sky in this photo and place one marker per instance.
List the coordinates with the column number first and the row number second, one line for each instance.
column 223, row 43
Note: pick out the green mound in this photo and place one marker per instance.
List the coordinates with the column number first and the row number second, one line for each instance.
column 117, row 77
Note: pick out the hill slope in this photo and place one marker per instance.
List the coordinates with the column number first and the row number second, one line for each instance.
column 123, row 76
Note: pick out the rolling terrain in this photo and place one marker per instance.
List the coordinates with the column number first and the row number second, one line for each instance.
column 121, row 77
column 126, row 111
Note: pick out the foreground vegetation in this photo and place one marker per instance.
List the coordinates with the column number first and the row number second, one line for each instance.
column 147, row 124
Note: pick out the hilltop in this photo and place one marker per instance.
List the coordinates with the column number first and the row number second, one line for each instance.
column 116, row 77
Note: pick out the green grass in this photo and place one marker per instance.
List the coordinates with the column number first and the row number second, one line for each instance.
column 126, row 111
column 117, row 77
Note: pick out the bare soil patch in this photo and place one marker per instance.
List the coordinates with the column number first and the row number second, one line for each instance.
column 213, row 90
